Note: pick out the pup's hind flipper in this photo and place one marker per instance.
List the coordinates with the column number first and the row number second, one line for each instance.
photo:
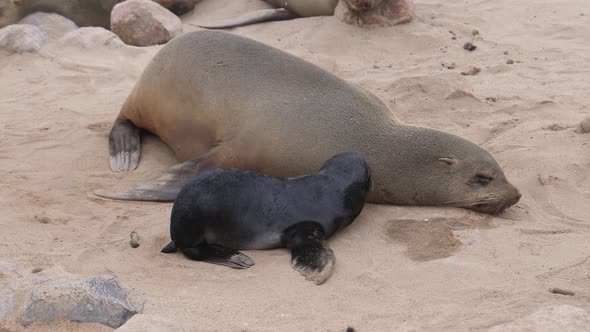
column 169, row 248
column 310, row 254
column 216, row 254
column 164, row 188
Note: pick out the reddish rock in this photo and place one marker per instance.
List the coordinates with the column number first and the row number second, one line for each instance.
column 144, row 23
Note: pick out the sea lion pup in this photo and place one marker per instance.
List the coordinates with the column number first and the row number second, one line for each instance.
column 222, row 210
column 82, row 12
column 220, row 100
column 357, row 12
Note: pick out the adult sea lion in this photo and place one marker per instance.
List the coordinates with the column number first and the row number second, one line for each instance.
column 82, row 12
column 222, row 210
column 220, row 100
column 359, row 12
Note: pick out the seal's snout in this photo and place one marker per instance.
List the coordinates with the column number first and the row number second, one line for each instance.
column 497, row 202
column 517, row 196
column 512, row 197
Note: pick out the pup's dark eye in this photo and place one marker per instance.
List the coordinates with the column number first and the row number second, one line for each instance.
column 482, row 179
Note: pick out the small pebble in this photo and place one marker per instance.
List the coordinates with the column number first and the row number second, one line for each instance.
column 471, row 71
column 449, row 66
column 585, row 125
column 475, row 32
column 561, row 291
column 134, row 241
column 510, row 62
column 469, row 47
column 36, row 270
column 491, row 99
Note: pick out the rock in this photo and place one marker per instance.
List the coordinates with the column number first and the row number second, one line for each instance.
column 134, row 239
column 20, row 38
column 8, row 283
column 552, row 318
column 53, row 25
column 91, row 300
column 469, row 47
column 144, row 23
column 585, row 125
column 92, row 37
column 151, row 323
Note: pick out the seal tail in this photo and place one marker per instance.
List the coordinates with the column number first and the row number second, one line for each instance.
column 216, row 254
column 263, row 15
column 169, row 248
column 310, row 254
column 164, row 188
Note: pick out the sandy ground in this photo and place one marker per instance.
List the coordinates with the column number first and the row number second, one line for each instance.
column 398, row 268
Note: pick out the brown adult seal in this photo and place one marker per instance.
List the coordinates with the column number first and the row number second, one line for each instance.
column 358, row 12
column 222, row 100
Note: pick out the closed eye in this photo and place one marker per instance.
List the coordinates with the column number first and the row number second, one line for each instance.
column 482, row 179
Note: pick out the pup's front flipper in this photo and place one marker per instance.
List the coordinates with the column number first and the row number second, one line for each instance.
column 216, row 254
column 310, row 254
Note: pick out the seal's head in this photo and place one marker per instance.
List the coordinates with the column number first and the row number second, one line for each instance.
column 430, row 167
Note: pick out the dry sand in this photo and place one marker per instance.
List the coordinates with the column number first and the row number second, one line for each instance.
column 398, row 268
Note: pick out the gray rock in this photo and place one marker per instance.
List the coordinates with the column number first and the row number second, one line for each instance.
column 92, row 37
column 53, row 25
column 91, row 300
column 8, row 284
column 20, row 38
column 151, row 323
column 549, row 319
column 144, row 23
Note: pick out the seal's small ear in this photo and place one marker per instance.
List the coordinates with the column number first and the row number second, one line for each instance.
column 448, row 161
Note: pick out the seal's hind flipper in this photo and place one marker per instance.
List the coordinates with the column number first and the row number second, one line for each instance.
column 217, row 254
column 310, row 255
column 164, row 188
column 124, row 146
column 169, row 248
column 263, row 15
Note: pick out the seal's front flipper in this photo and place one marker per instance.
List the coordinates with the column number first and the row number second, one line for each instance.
column 124, row 146
column 310, row 255
column 216, row 254
column 166, row 187
column 263, row 15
